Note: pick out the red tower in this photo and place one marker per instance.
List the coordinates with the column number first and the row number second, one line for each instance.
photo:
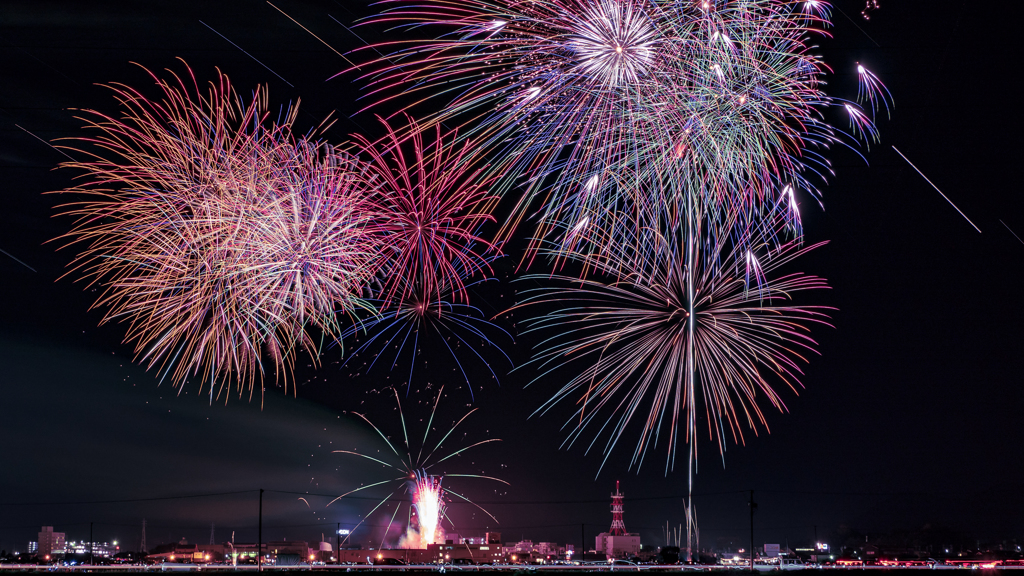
column 618, row 526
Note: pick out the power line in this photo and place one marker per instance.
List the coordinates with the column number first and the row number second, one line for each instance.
column 153, row 499
column 519, row 502
column 488, row 502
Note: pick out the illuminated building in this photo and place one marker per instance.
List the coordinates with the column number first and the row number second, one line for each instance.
column 98, row 549
column 49, row 542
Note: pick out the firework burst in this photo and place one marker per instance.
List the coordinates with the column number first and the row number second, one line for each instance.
column 214, row 234
column 404, row 327
column 657, row 337
column 432, row 201
column 722, row 100
column 415, row 464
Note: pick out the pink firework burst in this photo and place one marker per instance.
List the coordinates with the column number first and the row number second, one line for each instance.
column 432, row 200
column 215, row 235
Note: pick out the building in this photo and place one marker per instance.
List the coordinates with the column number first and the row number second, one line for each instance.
column 616, row 542
column 97, row 549
column 33, row 547
column 50, row 543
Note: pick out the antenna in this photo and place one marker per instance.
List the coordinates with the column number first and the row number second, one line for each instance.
column 618, row 527
column 142, row 541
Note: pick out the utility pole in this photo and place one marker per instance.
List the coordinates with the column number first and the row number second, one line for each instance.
column 583, row 541
column 142, row 543
column 90, row 542
column 337, row 537
column 259, row 546
column 753, row 505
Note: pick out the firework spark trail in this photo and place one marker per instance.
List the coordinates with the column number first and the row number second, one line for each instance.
column 937, row 189
column 215, row 236
column 871, row 90
column 414, row 464
column 633, row 338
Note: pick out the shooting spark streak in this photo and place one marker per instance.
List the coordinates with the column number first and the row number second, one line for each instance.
column 215, row 235
column 415, row 466
column 937, row 189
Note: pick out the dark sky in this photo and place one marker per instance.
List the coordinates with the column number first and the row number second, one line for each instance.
column 910, row 417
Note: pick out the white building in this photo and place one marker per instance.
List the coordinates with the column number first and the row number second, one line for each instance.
column 621, row 546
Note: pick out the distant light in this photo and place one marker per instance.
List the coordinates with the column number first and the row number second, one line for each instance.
column 343, row 532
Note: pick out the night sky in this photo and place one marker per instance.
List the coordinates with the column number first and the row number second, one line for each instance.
column 910, row 419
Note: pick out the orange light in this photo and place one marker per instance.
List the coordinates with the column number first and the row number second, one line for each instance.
column 172, row 556
column 312, row 556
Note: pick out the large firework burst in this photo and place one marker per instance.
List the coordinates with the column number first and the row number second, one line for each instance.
column 660, row 342
column 723, row 100
column 215, row 235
